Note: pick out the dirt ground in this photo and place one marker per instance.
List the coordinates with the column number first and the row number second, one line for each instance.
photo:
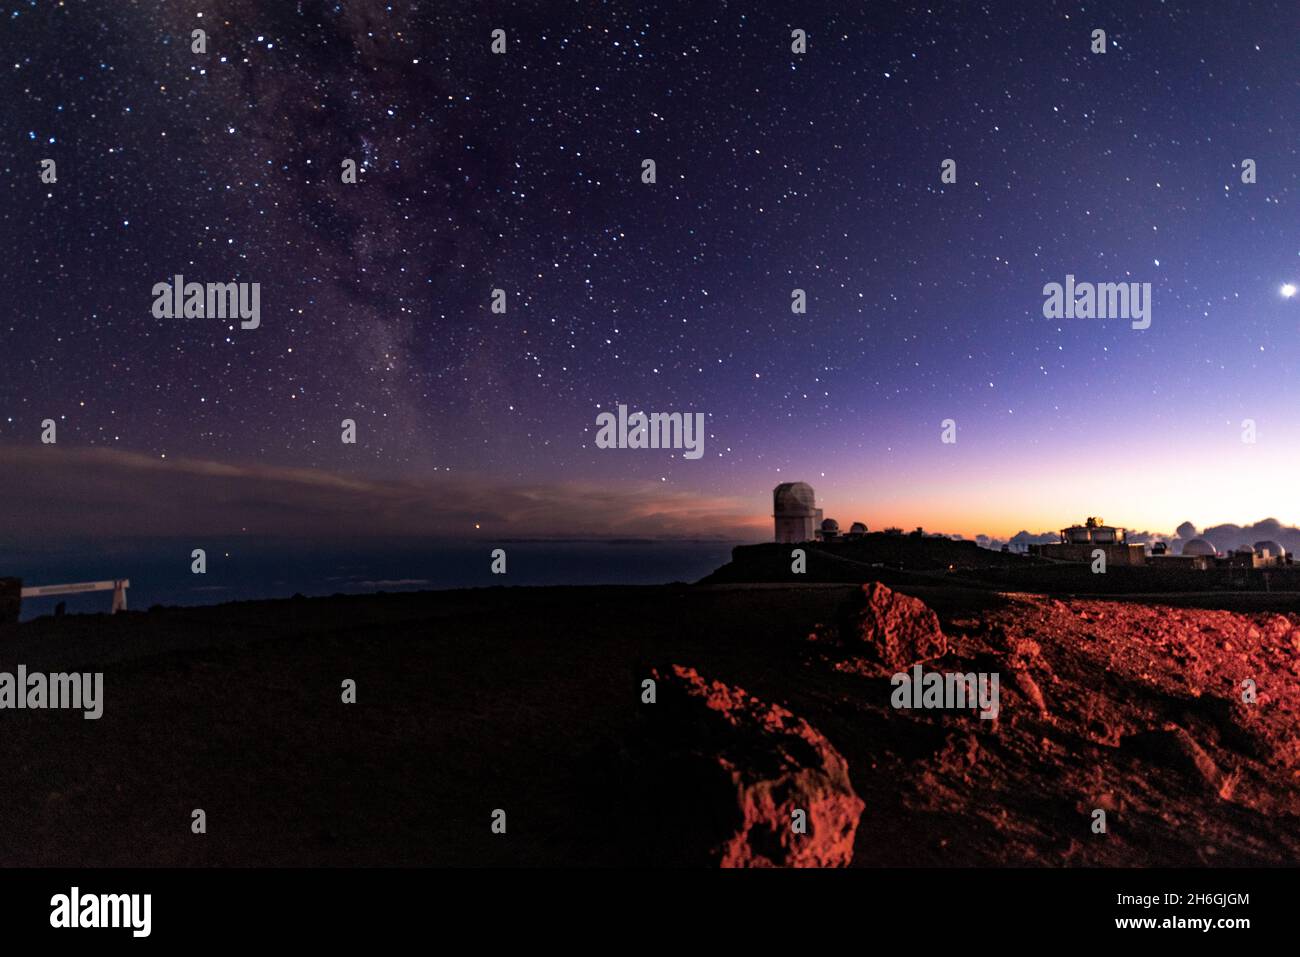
column 520, row 699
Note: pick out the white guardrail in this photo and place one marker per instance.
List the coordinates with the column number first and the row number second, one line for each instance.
column 118, row 587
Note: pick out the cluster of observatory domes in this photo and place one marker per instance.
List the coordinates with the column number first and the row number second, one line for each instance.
column 798, row 519
column 1268, row 548
column 831, row 529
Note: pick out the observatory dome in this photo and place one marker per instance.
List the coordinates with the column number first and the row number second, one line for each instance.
column 794, row 499
column 1243, row 549
column 1199, row 546
column 1273, row 549
column 857, row 528
column 830, row 525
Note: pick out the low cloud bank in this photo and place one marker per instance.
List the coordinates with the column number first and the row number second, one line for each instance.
column 53, row 495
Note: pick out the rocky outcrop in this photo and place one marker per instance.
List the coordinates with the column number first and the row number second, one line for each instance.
column 755, row 766
column 887, row 628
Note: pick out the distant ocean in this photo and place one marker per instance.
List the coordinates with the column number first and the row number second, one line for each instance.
column 239, row 570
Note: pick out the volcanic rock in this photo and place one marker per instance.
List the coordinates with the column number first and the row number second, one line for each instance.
column 897, row 630
column 751, row 765
column 1174, row 744
column 1029, row 687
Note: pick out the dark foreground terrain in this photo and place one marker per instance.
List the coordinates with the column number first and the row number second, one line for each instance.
column 529, row 700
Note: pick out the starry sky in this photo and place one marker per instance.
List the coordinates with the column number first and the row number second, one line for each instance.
column 522, row 171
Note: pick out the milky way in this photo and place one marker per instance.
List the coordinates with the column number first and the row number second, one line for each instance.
column 775, row 171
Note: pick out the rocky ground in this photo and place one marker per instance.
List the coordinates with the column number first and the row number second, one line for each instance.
column 768, row 700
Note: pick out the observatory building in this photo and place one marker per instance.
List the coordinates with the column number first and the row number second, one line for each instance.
column 1270, row 553
column 1093, row 532
column 1078, row 542
column 1197, row 554
column 1243, row 556
column 1201, row 554
column 1265, row 554
column 797, row 517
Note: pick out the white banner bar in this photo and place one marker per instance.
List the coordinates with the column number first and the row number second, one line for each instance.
column 40, row 590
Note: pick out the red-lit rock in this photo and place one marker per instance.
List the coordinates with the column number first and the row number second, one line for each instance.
column 756, row 764
column 897, row 630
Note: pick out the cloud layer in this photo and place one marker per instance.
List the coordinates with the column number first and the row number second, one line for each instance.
column 53, row 494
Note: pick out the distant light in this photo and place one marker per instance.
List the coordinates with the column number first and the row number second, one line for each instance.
column 1288, row 290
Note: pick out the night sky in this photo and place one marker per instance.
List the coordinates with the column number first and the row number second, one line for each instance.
column 775, row 171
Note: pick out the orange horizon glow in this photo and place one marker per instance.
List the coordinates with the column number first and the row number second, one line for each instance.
column 1236, row 484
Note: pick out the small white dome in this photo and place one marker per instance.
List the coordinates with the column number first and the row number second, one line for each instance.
column 1199, row 546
